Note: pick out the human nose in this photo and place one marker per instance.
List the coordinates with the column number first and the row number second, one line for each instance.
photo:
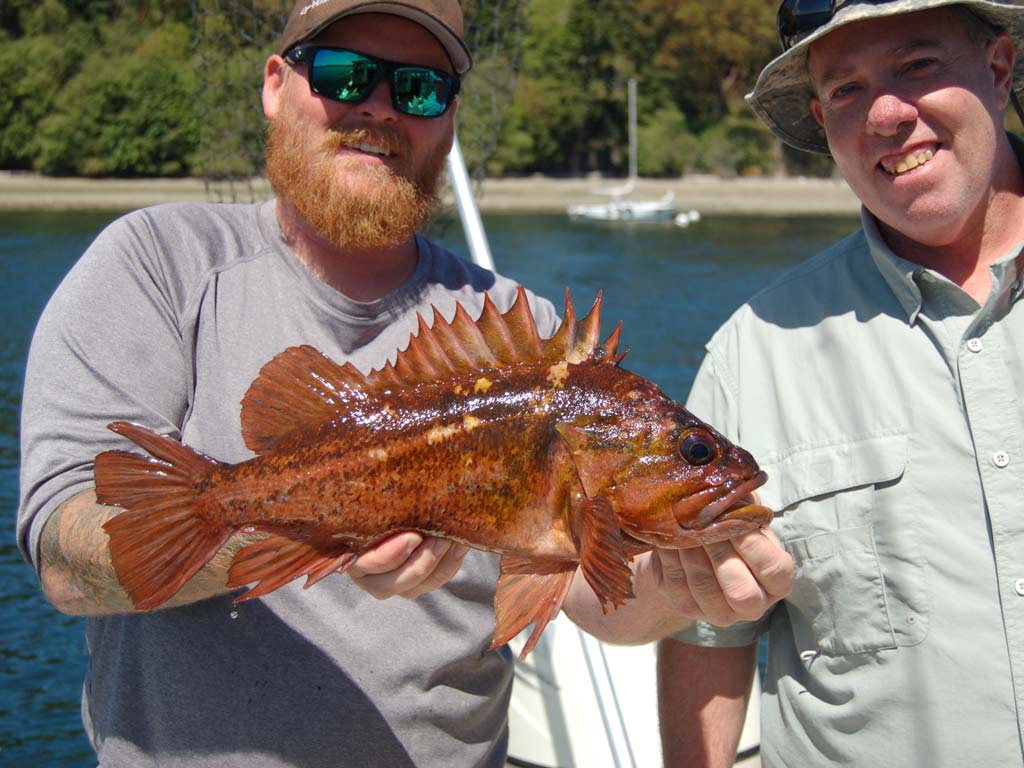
column 888, row 113
column 377, row 105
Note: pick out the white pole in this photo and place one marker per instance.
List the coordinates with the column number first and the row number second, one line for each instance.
column 607, row 702
column 479, row 251
column 633, row 169
column 600, row 675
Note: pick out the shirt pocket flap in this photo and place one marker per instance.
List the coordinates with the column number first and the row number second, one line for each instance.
column 805, row 472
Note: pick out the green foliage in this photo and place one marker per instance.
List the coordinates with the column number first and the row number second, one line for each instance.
column 665, row 145
column 48, row 16
column 233, row 42
column 799, row 163
column 170, row 87
column 693, row 60
column 127, row 115
column 33, row 70
column 739, row 145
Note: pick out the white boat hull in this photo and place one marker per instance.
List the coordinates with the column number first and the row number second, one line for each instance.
column 624, row 210
column 559, row 720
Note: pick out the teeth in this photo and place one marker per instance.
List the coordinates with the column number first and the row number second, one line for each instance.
column 911, row 161
column 373, row 149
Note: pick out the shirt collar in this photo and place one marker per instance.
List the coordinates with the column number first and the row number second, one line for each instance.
column 901, row 274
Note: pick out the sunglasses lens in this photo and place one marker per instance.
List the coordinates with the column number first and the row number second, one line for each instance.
column 798, row 16
column 348, row 76
column 343, row 75
column 422, row 92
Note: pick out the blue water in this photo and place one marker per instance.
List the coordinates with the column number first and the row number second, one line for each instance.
column 671, row 287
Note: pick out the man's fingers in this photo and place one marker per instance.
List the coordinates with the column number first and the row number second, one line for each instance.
column 704, row 586
column 744, row 595
column 443, row 571
column 386, row 555
column 670, row 576
column 429, row 565
column 771, row 565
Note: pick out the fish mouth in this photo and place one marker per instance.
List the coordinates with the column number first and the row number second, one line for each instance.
column 733, row 504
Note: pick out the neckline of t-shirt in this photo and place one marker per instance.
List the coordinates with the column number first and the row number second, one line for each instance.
column 333, row 300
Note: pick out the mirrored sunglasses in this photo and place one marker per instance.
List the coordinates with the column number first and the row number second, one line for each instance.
column 348, row 76
column 798, row 17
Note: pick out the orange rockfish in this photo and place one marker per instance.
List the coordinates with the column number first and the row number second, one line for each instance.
column 545, row 451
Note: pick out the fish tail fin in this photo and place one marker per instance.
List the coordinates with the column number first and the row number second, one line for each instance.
column 160, row 540
column 529, row 592
column 278, row 559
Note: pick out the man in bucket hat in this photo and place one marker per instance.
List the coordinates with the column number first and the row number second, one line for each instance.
column 877, row 383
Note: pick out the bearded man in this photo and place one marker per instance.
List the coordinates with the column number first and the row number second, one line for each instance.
column 166, row 320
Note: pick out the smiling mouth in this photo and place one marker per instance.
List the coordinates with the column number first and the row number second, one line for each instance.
column 896, row 165
column 370, row 149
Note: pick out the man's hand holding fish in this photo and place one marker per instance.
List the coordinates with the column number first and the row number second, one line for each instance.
column 721, row 583
column 407, row 564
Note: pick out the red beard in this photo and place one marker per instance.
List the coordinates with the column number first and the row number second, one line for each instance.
column 349, row 203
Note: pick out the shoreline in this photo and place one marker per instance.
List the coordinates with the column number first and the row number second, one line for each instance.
column 710, row 195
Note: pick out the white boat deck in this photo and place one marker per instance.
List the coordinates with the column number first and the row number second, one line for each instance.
column 558, row 719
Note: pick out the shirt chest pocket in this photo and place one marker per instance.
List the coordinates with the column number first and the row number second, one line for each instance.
column 828, row 498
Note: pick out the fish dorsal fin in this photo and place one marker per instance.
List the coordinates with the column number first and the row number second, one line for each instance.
column 443, row 348
column 300, row 387
column 582, row 342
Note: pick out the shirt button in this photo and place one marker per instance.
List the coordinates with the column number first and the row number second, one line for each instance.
column 1019, row 586
column 975, row 345
column 1000, row 459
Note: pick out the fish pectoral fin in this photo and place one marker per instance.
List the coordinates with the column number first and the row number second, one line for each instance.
column 603, row 555
column 527, row 597
column 278, row 559
column 593, row 462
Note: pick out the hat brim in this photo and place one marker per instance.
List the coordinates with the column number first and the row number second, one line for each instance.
column 451, row 41
column 781, row 97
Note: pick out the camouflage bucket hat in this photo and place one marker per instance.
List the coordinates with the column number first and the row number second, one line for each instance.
column 783, row 90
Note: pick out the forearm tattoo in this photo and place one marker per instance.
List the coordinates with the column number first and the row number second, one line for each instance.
column 78, row 576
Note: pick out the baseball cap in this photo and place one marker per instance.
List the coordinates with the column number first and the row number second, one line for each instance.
column 442, row 18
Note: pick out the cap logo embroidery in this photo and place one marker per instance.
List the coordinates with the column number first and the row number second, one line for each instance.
column 310, row 6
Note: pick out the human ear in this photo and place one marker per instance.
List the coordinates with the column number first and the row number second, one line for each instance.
column 816, row 112
column 1000, row 61
column 275, row 72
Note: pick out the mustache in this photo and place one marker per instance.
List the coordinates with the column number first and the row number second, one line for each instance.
column 388, row 138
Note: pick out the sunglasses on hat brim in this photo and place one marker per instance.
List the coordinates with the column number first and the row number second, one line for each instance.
column 798, row 17
column 349, row 76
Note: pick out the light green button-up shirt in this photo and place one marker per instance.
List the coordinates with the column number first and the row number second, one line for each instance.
column 885, row 406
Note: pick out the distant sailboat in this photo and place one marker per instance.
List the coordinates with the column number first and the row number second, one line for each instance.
column 621, row 207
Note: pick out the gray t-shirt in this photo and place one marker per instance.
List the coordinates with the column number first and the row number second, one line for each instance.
column 165, row 321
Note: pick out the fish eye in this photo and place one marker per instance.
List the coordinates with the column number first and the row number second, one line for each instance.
column 698, row 448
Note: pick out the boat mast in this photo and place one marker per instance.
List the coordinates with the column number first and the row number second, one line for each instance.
column 632, row 130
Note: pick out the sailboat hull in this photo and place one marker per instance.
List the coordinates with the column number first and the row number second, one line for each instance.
column 625, row 210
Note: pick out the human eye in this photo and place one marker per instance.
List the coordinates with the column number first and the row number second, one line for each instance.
column 840, row 94
column 921, row 65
